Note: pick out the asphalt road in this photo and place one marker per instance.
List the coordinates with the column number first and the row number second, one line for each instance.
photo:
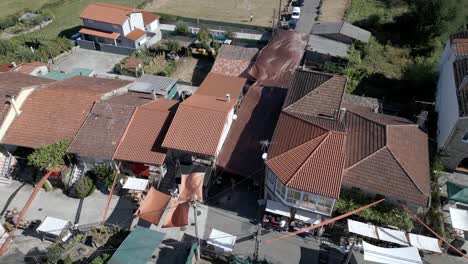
column 308, row 14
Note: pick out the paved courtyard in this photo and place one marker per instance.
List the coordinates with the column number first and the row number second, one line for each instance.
column 101, row 62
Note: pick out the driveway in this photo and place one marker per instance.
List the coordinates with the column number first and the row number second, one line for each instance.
column 308, row 14
column 101, row 62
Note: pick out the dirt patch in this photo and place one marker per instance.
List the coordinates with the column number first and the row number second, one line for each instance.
column 334, row 10
column 193, row 70
column 235, row 11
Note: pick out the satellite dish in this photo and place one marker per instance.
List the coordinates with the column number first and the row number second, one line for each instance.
column 264, row 156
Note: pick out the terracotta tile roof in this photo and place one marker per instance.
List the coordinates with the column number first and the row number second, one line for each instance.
column 6, row 67
column 315, row 166
column 256, row 120
column 219, row 85
column 142, row 140
column 99, row 33
column 149, row 17
column 198, row 125
column 11, row 84
column 27, row 68
column 460, row 46
column 460, row 69
column 108, row 13
column 57, row 112
column 131, row 99
column 102, row 130
column 234, row 60
column 135, row 34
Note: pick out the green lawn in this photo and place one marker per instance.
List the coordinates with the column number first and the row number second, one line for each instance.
column 9, row 7
column 67, row 15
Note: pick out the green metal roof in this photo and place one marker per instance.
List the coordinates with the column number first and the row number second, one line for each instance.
column 56, row 75
column 457, row 192
column 138, row 247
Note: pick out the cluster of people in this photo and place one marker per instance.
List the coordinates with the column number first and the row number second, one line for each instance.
column 275, row 222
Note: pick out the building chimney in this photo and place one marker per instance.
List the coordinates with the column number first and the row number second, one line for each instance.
column 342, row 114
column 15, row 106
column 13, row 64
column 228, row 98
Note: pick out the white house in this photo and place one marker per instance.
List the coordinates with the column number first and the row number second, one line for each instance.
column 118, row 25
column 452, row 102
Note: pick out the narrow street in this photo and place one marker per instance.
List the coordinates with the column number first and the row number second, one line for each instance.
column 308, row 14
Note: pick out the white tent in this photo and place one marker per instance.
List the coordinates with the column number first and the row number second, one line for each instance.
column 407, row 255
column 280, row 209
column 394, row 236
column 135, row 184
column 424, row 242
column 459, row 218
column 222, row 240
column 54, row 226
column 362, row 229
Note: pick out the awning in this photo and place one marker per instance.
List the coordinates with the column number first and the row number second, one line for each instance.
column 362, row 229
column 53, row 226
column 407, row 255
column 459, row 218
column 135, row 184
column 138, row 247
column 178, row 215
column 280, row 209
column 97, row 33
column 394, row 236
column 191, row 185
column 222, row 240
column 153, row 206
column 424, row 242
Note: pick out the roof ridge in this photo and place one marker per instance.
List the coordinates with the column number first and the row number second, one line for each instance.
column 205, row 107
column 327, row 135
column 125, row 132
column 404, row 169
column 363, row 116
column 365, row 158
column 82, row 124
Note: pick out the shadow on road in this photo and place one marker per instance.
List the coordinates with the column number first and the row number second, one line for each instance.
column 10, row 199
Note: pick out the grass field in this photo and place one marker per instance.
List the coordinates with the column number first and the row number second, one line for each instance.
column 66, row 14
column 9, row 7
column 235, row 11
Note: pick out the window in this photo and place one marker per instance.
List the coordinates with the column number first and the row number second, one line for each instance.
column 465, row 137
column 309, row 201
column 280, row 189
column 294, row 197
column 271, row 178
column 324, row 204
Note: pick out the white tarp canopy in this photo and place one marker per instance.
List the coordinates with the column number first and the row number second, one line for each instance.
column 424, row 242
column 406, row 255
column 54, row 226
column 280, row 209
column 222, row 240
column 135, row 184
column 459, row 218
column 362, row 229
column 394, row 236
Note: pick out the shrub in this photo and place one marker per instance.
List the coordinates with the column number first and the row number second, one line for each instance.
column 204, row 35
column 67, row 260
column 54, row 254
column 7, row 46
column 104, row 258
column 49, row 156
column 172, row 45
column 105, row 173
column 182, row 28
column 84, row 187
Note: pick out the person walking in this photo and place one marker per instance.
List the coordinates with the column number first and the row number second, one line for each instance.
column 283, row 225
column 251, row 17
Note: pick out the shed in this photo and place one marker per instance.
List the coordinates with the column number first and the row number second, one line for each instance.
column 138, row 247
column 160, row 85
column 341, row 31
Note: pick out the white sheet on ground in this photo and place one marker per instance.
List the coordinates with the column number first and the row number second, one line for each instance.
column 362, row 229
column 222, row 240
column 406, row 255
column 135, row 184
column 424, row 242
column 394, row 236
column 459, row 218
column 52, row 225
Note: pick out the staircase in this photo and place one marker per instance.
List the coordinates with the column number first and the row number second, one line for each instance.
column 5, row 163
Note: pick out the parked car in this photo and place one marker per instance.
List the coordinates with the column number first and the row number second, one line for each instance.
column 296, row 13
column 292, row 24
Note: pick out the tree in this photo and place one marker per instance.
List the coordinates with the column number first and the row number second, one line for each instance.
column 181, row 28
column 84, row 187
column 105, row 173
column 49, row 156
column 204, row 36
column 172, row 45
column 54, row 253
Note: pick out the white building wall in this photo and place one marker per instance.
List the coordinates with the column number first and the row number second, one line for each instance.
column 11, row 115
column 446, row 98
column 126, row 27
column 136, row 21
column 225, row 132
column 153, row 26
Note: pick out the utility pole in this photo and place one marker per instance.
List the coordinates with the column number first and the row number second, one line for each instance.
column 194, row 205
column 279, row 11
column 273, row 20
column 257, row 241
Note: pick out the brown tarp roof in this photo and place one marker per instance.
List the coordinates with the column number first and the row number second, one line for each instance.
column 256, row 121
column 276, row 62
column 152, row 207
column 191, row 185
column 178, row 215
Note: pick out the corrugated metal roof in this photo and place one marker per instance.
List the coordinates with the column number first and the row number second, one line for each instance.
column 328, row 46
column 149, row 83
column 344, row 28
